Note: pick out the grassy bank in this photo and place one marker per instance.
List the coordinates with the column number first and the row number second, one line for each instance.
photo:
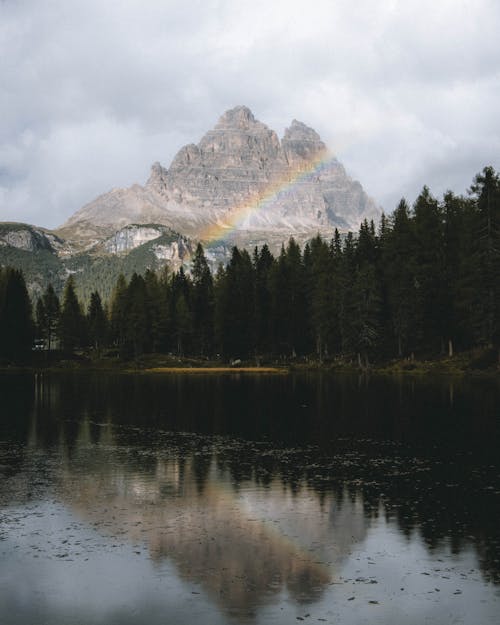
column 210, row 370
column 475, row 363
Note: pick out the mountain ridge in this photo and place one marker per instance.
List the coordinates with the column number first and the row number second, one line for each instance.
column 240, row 185
column 234, row 165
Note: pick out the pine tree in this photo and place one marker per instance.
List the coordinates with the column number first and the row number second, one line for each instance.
column 137, row 338
column 347, row 309
column 322, row 294
column 367, row 294
column 16, row 322
column 41, row 319
column 118, row 315
column 183, row 323
column 203, row 303
column 486, row 191
column 52, row 310
column 181, row 312
column 154, row 304
column 236, row 307
column 289, row 291
column 165, row 320
column 221, row 306
column 460, row 275
column 278, row 279
column 97, row 322
column 368, row 312
column 263, row 262
column 432, row 299
column 399, row 265
column 71, row 326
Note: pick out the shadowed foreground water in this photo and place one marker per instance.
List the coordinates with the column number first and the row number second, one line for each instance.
column 247, row 499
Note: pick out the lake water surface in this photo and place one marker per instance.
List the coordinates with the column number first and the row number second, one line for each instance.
column 148, row 499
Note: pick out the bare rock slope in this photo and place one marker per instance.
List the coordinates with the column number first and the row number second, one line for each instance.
column 240, row 179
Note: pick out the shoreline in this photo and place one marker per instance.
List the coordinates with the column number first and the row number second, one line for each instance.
column 476, row 363
column 213, row 370
column 397, row 369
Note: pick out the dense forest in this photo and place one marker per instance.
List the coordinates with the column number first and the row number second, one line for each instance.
column 423, row 282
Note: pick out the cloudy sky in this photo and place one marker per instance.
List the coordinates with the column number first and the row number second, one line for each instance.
column 406, row 92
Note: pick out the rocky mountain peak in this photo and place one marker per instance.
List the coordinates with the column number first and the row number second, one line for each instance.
column 241, row 162
column 302, row 144
column 239, row 117
column 157, row 178
column 299, row 131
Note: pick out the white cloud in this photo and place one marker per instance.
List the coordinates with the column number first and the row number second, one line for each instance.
column 405, row 92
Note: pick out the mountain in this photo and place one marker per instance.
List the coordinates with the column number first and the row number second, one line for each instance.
column 241, row 182
column 45, row 258
column 241, row 185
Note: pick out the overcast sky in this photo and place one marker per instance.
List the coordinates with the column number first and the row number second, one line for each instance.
column 92, row 92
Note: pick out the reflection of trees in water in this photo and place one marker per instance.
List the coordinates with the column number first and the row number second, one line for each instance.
column 427, row 480
column 213, row 537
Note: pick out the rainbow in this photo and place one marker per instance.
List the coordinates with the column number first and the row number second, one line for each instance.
column 236, row 216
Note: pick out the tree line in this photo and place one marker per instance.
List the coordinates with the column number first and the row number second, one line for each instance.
column 424, row 281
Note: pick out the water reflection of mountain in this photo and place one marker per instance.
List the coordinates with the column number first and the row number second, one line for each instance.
column 241, row 545
column 433, row 468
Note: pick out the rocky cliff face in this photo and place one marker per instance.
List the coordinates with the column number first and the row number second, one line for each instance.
column 130, row 237
column 166, row 245
column 241, row 176
column 29, row 238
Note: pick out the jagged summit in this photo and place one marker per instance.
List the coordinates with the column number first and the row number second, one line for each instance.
column 238, row 163
column 157, row 178
column 240, row 116
column 302, row 144
column 298, row 131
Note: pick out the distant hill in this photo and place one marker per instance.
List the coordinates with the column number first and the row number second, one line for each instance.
column 133, row 248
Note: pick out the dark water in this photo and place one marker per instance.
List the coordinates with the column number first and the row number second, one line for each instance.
column 225, row 499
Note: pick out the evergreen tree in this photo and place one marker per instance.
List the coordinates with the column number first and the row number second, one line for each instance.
column 183, row 323
column 322, row 296
column 52, row 310
column 368, row 312
column 289, row 302
column 40, row 317
column 367, row 298
column 263, row 262
column 71, row 326
column 431, row 295
column 154, row 304
column 181, row 312
column 460, row 224
column 486, row 191
column 347, row 309
column 366, row 245
column 137, row 337
column 221, row 305
column 97, row 322
column 298, row 323
column 399, row 264
column 203, row 303
column 16, row 322
column 237, row 307
column 165, row 320
column 279, row 279
column 118, row 315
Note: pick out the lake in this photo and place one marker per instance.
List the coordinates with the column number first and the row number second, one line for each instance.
column 143, row 499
